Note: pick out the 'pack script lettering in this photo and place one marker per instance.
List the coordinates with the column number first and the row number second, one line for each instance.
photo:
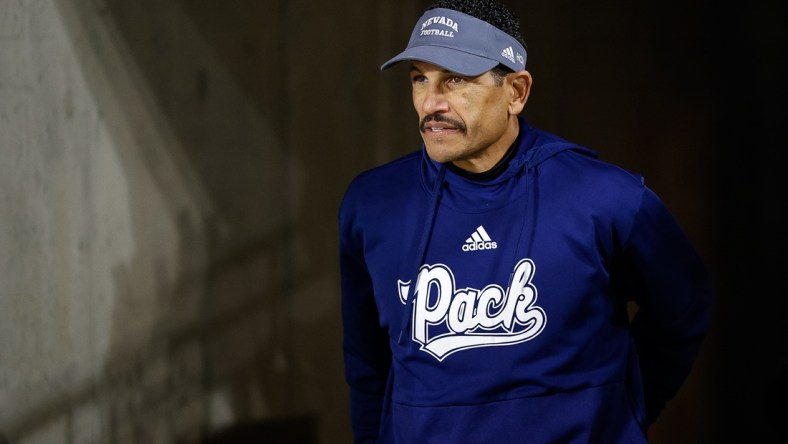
column 447, row 320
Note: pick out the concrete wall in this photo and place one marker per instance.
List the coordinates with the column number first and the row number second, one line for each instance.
column 170, row 172
column 169, row 182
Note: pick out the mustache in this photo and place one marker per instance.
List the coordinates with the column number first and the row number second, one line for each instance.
column 441, row 118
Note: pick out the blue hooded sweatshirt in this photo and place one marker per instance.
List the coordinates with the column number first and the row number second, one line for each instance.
column 492, row 311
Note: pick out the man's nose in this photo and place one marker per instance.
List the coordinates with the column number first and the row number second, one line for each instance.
column 435, row 101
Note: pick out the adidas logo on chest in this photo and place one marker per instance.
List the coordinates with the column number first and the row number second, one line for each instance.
column 479, row 240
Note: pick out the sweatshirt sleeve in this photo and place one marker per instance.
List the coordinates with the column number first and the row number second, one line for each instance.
column 674, row 296
column 365, row 344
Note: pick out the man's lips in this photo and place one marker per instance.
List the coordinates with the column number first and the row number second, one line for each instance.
column 437, row 123
column 438, row 128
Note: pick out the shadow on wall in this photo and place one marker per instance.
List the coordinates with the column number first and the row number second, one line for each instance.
column 295, row 430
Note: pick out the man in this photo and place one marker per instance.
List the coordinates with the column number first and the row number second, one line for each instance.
column 486, row 277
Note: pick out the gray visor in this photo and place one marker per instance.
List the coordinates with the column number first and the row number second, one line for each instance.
column 461, row 44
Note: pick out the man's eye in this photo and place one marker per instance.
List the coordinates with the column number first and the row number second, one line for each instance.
column 456, row 79
column 418, row 79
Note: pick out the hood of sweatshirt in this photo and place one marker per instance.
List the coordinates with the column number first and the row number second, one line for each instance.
column 532, row 147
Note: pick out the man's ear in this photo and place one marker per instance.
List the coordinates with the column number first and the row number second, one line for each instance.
column 520, row 86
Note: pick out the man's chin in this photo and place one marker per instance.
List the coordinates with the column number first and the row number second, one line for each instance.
column 441, row 154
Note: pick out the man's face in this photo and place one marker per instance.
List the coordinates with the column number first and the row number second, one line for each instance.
column 464, row 120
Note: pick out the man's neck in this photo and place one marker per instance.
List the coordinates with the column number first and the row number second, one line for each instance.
column 494, row 154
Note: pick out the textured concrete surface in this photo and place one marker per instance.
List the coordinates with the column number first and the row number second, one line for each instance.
column 169, row 180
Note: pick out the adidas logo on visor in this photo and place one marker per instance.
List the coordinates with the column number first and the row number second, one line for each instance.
column 479, row 240
column 508, row 53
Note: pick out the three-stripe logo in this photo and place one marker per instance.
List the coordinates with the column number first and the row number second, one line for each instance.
column 479, row 240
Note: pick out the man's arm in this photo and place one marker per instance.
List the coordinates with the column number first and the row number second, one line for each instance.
column 366, row 349
column 674, row 295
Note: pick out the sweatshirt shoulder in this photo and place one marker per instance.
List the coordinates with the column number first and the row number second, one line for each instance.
column 600, row 169
column 590, row 182
column 397, row 169
column 578, row 159
column 384, row 181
